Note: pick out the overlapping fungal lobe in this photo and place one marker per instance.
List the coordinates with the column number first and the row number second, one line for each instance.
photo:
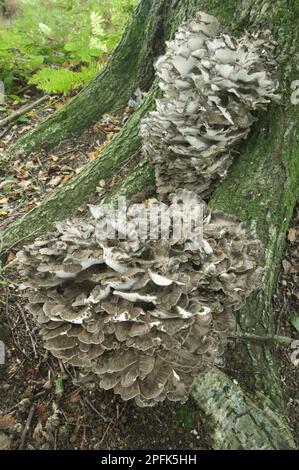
column 211, row 83
column 143, row 315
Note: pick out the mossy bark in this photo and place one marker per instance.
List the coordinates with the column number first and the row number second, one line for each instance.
column 261, row 188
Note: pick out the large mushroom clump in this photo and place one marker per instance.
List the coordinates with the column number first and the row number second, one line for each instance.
column 144, row 315
column 211, row 84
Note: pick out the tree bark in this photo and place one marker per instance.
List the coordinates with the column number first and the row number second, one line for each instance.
column 261, row 188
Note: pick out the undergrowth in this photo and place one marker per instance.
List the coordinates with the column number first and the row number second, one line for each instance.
column 59, row 45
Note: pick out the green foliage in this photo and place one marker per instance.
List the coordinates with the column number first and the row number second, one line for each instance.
column 63, row 80
column 60, row 45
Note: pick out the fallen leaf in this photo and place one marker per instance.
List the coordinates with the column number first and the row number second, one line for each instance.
column 7, row 422
column 5, row 441
column 129, row 110
column 94, row 154
column 66, row 178
column 11, row 257
column 288, row 267
column 24, row 129
column 24, row 184
column 55, row 181
column 3, row 213
column 292, row 235
column 42, row 413
column 32, row 114
column 3, row 200
column 75, row 396
column 58, row 105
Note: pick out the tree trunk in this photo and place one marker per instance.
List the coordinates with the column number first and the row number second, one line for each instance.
column 261, row 188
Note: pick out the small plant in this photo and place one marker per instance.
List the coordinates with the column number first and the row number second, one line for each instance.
column 60, row 45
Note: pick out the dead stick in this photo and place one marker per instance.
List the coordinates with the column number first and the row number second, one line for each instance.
column 27, row 427
column 27, row 329
column 23, row 110
column 6, row 290
column 95, row 410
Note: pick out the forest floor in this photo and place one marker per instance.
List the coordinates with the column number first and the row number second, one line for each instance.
column 40, row 405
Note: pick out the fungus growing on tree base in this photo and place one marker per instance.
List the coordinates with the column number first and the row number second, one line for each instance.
column 211, row 83
column 145, row 316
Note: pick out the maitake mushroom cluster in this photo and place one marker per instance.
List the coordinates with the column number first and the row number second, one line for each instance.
column 143, row 313
column 145, row 316
column 211, row 83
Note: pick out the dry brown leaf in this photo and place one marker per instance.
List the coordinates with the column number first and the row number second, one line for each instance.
column 55, row 181
column 7, row 422
column 66, row 178
column 289, row 268
column 24, row 184
column 292, row 233
column 11, row 257
column 24, row 129
column 32, row 114
column 75, row 396
column 42, row 413
column 3, row 200
column 58, row 105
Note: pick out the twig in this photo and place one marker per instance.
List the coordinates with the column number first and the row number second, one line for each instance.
column 95, row 410
column 9, row 323
column 27, row 427
column 27, row 329
column 284, row 340
column 17, row 242
column 23, row 89
column 282, row 311
column 23, row 110
column 4, row 132
column 112, row 424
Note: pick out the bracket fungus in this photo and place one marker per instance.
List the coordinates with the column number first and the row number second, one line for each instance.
column 142, row 315
column 211, row 84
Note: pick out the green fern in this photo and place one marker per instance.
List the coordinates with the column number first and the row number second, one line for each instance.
column 46, row 36
column 63, row 80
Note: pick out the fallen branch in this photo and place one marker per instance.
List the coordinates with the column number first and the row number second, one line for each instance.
column 27, row 427
column 23, row 110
